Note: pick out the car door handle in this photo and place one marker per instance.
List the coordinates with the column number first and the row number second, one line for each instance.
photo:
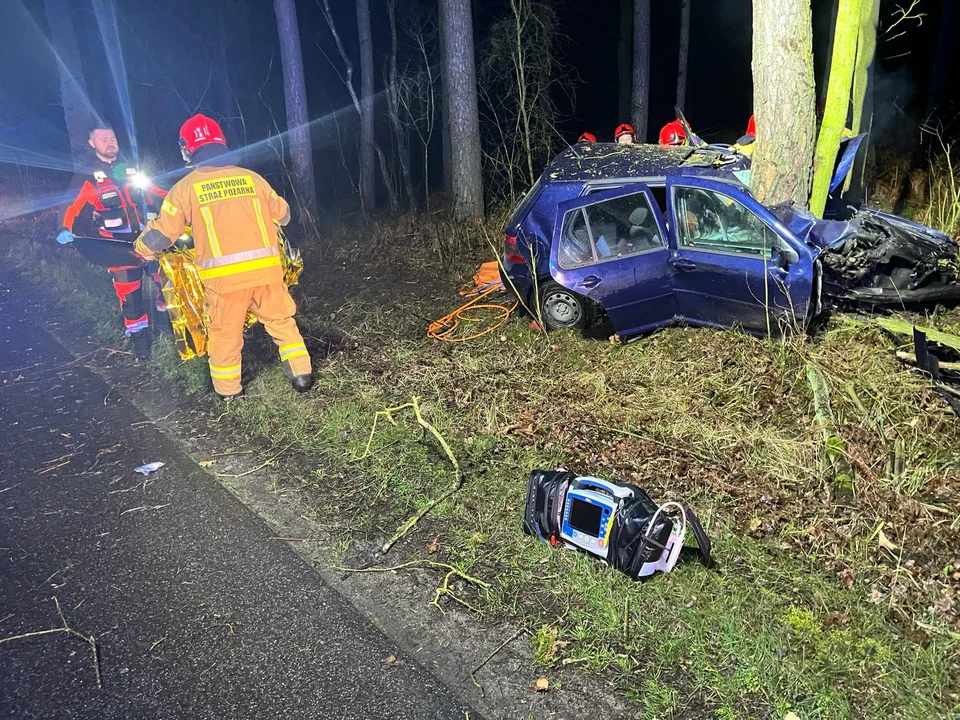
column 589, row 281
column 683, row 264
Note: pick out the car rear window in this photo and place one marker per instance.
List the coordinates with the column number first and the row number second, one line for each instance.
column 608, row 230
column 521, row 209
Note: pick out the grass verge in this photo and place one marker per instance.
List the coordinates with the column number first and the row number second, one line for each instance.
column 830, row 599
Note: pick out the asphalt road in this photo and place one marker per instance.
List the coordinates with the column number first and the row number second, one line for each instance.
column 196, row 611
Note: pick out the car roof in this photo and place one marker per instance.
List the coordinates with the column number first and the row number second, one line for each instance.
column 587, row 162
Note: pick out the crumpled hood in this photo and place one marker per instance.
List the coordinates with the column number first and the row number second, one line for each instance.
column 879, row 257
column 832, row 234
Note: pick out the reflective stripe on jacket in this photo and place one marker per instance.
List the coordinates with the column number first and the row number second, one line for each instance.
column 232, row 212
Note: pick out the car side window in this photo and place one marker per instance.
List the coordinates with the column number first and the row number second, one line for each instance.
column 608, row 230
column 714, row 222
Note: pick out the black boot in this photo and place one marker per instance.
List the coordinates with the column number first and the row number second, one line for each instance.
column 302, row 383
column 141, row 342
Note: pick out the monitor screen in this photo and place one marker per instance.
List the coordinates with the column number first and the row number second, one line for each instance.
column 585, row 516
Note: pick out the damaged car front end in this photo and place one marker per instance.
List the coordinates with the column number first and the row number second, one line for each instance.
column 875, row 259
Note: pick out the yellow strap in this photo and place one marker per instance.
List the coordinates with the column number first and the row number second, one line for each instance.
column 211, row 232
column 263, row 228
column 240, row 267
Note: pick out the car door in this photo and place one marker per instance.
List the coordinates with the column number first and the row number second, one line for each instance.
column 611, row 247
column 733, row 263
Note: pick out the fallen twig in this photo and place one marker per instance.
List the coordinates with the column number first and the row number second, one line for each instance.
column 659, row 443
column 901, row 327
column 443, row 589
column 52, row 467
column 145, row 507
column 490, row 657
column 912, row 359
column 89, row 639
column 458, row 474
column 836, row 451
column 152, row 422
column 258, row 467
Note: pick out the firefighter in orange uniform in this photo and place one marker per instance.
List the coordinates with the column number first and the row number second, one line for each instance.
column 232, row 211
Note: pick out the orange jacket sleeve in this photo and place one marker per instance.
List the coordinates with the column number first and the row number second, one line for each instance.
column 278, row 207
column 86, row 194
column 163, row 231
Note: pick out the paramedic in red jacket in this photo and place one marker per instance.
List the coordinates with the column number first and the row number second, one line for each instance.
column 109, row 198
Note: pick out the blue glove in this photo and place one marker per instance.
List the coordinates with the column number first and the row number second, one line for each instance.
column 65, row 237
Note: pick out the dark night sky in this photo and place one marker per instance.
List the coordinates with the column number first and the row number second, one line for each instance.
column 176, row 49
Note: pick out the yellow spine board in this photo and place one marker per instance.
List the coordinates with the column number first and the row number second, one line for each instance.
column 184, row 292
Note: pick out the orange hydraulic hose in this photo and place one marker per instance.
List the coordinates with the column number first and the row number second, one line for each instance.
column 444, row 328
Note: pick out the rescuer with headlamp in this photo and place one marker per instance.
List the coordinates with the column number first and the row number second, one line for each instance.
column 111, row 199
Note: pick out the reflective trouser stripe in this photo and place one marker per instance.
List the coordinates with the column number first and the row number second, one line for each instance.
column 211, row 232
column 237, row 257
column 240, row 267
column 225, row 372
column 292, row 350
column 263, row 228
column 136, row 325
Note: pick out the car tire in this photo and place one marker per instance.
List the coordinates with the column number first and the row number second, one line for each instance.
column 563, row 309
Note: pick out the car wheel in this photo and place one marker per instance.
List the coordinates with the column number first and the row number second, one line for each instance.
column 562, row 309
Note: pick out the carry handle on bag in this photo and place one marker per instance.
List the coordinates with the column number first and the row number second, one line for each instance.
column 699, row 534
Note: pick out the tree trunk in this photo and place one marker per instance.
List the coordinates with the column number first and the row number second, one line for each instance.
column 824, row 81
column 784, row 97
column 295, row 95
column 400, row 134
column 684, row 56
column 388, row 179
column 446, row 155
column 837, row 108
column 77, row 113
column 625, row 58
column 862, row 117
column 458, row 67
column 368, row 172
column 641, row 68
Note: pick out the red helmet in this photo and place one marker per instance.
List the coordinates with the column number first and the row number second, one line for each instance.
column 587, row 137
column 752, row 127
column 624, row 129
column 197, row 132
column 672, row 134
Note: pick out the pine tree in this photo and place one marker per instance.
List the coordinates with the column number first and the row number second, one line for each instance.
column 783, row 100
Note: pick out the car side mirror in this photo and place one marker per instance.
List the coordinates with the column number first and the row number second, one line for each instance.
column 783, row 258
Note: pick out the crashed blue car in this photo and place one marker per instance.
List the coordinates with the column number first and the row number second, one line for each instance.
column 650, row 235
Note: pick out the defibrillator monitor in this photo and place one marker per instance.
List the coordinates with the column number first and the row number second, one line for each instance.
column 588, row 511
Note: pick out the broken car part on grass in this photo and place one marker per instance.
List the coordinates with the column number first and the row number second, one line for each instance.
column 617, row 523
column 652, row 235
column 942, row 368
